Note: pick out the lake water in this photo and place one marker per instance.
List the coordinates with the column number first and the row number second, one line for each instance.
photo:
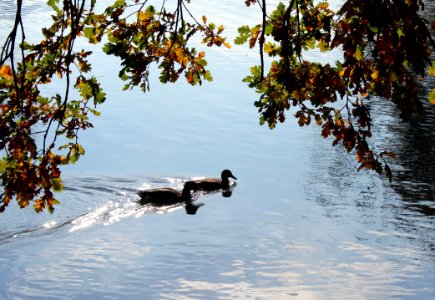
column 300, row 224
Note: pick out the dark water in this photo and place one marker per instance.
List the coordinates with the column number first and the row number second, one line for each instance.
column 301, row 222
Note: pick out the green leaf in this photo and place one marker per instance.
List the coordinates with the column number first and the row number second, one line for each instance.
column 207, row 76
column 269, row 29
column 119, row 3
column 95, row 112
column 89, row 32
column 373, row 29
column 358, row 54
column 339, row 66
column 53, row 5
column 57, row 185
column 323, row 45
column 244, row 35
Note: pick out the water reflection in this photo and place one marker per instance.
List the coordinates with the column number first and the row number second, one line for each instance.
column 415, row 147
column 111, row 199
column 402, row 210
column 414, row 143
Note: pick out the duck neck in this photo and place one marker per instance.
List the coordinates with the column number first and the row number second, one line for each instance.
column 186, row 194
column 225, row 182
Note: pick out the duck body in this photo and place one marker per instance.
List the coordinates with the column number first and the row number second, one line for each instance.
column 166, row 196
column 212, row 184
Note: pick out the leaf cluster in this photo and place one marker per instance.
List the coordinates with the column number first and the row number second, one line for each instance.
column 39, row 131
column 385, row 45
column 150, row 36
column 32, row 124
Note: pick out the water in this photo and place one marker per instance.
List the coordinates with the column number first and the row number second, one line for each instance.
column 301, row 222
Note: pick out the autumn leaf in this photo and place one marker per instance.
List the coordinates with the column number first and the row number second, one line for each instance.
column 374, row 74
column 6, row 72
column 389, row 154
column 432, row 69
column 432, row 96
column 323, row 5
column 220, row 29
column 358, row 54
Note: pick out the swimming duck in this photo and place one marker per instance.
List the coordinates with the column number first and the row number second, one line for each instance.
column 167, row 196
column 212, row 184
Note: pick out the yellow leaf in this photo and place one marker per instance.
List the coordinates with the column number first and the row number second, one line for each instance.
column 228, row 45
column 432, row 69
column 39, row 205
column 341, row 72
column 184, row 61
column 204, row 19
column 432, row 96
column 323, row 45
column 220, row 29
column 323, row 5
column 358, row 54
column 5, row 72
column 319, row 121
column 375, row 74
column 393, row 76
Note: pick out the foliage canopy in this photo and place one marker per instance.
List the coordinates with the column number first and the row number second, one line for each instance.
column 386, row 46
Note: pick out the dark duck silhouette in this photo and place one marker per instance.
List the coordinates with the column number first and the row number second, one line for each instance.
column 167, row 196
column 212, row 184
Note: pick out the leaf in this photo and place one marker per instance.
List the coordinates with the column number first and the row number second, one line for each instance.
column 57, row 184
column 393, row 76
column 244, row 34
column 38, row 206
column 6, row 72
column 358, row 54
column 389, row 154
column 95, row 112
column 53, row 5
column 432, row 69
column 220, row 29
column 90, row 34
column 432, row 96
column 269, row 48
column 323, row 45
column 374, row 74
column 323, row 5
column 119, row 3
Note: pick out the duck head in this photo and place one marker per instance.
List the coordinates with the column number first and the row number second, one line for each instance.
column 227, row 174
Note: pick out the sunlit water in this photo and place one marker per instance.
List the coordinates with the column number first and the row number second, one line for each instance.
column 301, row 222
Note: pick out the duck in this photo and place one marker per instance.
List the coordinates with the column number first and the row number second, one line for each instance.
column 167, row 196
column 212, row 184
